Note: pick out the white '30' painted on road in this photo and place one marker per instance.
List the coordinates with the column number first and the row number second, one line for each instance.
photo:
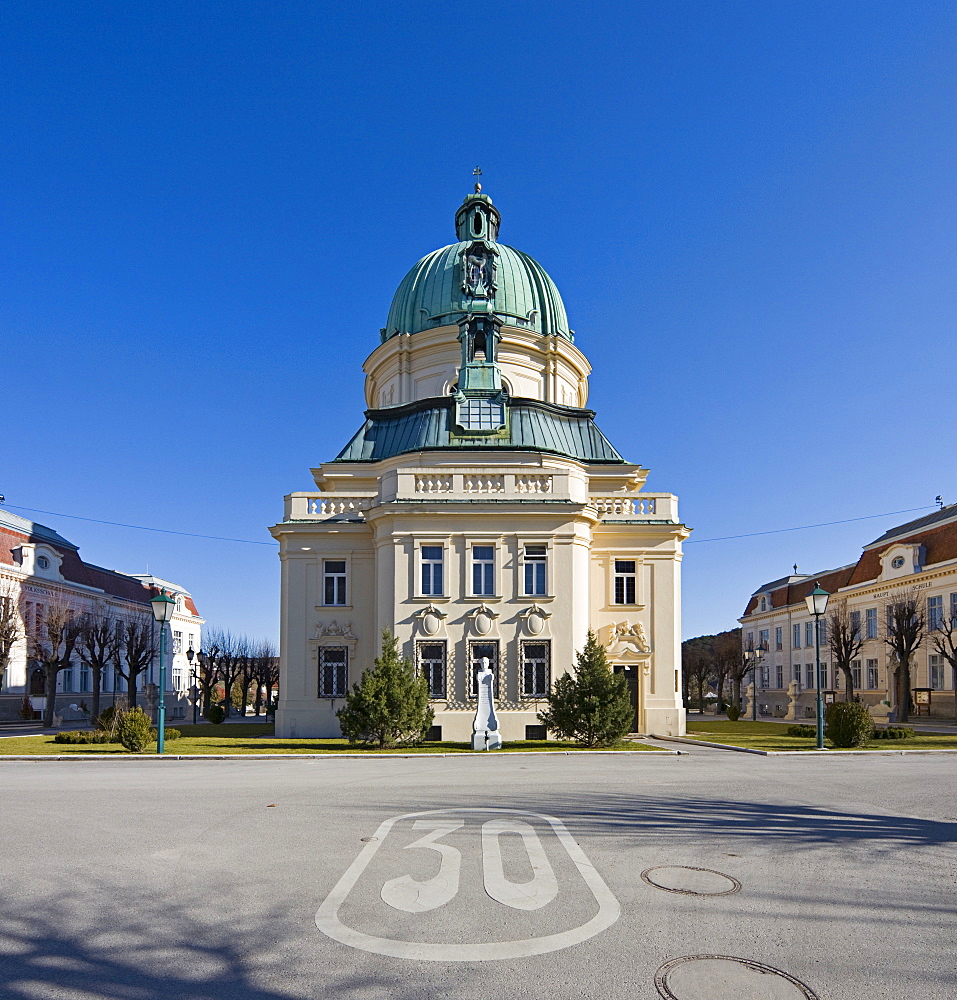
column 412, row 896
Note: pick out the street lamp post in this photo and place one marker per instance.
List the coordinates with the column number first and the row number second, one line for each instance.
column 163, row 607
column 193, row 676
column 817, row 604
column 753, row 656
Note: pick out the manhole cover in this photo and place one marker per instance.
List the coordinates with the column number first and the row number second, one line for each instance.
column 691, row 881
column 721, row 977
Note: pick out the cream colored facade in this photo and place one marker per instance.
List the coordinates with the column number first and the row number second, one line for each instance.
column 921, row 557
column 509, row 546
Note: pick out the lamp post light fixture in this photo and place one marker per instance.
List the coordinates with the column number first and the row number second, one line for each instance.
column 753, row 655
column 194, row 677
column 817, row 604
column 163, row 607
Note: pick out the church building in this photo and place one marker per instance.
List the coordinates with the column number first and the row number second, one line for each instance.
column 478, row 512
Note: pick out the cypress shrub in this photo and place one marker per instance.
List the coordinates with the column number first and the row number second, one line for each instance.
column 847, row 724
column 593, row 707
column 134, row 730
column 734, row 713
column 216, row 714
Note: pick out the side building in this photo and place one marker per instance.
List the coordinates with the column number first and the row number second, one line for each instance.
column 39, row 567
column 479, row 512
column 917, row 557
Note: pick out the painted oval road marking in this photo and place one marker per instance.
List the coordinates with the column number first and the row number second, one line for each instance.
column 417, row 897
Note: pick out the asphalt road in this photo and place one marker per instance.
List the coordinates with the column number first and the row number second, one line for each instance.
column 519, row 876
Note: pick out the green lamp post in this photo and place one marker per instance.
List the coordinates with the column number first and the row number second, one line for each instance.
column 817, row 604
column 163, row 607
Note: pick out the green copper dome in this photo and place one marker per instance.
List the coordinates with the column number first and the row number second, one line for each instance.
column 477, row 275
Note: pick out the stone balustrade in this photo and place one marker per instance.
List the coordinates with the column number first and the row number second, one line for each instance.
column 627, row 507
column 320, row 506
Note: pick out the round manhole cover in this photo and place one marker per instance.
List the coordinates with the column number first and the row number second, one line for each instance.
column 691, row 881
column 721, row 977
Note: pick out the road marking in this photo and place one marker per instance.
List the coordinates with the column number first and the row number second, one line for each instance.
column 533, row 895
column 412, row 894
column 404, row 893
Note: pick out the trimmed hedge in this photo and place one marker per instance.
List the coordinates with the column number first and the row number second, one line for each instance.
column 803, row 731
column 847, row 724
column 82, row 736
column 895, row 733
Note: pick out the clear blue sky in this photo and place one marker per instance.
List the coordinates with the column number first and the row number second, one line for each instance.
column 749, row 209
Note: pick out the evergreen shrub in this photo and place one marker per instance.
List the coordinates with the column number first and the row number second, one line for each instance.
column 82, row 736
column 216, row 714
column 802, row 730
column 134, row 730
column 734, row 713
column 895, row 733
column 593, row 707
column 848, row 724
column 389, row 705
column 106, row 719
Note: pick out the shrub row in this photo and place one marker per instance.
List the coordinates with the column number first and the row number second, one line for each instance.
column 801, row 730
column 894, row 733
column 82, row 736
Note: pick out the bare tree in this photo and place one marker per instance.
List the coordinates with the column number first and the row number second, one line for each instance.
column 223, row 657
column 246, row 672
column 99, row 646
column 845, row 639
column 736, row 665
column 137, row 649
column 905, row 625
column 944, row 638
column 267, row 673
column 696, row 669
column 52, row 637
column 11, row 624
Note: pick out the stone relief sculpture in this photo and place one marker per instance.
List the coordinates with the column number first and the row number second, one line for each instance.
column 629, row 638
column 485, row 734
column 333, row 628
column 479, row 268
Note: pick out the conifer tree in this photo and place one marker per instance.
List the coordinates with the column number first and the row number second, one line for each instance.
column 389, row 706
column 593, row 707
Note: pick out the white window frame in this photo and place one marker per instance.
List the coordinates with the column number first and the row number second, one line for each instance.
column 538, row 667
column 870, row 623
column 474, row 665
column 856, row 673
column 809, row 678
column 779, row 637
column 625, row 576
column 795, row 636
column 779, row 676
column 535, row 559
column 177, row 642
column 809, row 635
column 339, row 580
column 796, row 673
column 873, row 675
column 437, row 691
column 936, row 678
column 489, row 569
column 935, row 612
column 340, row 681
column 423, row 561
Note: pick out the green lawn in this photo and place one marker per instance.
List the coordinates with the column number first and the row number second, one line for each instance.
column 773, row 736
column 245, row 738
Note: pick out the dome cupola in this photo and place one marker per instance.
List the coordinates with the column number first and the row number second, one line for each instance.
column 477, row 274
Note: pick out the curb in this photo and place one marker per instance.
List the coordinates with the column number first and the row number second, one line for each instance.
column 803, row 753
column 119, row 758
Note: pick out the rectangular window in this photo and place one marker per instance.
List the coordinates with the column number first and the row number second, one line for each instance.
column 822, row 631
column 483, row 570
column 431, row 656
column 177, row 642
column 796, row 636
column 809, row 675
column 535, row 560
column 625, row 581
column 536, row 674
column 489, row 650
column 797, row 674
column 953, row 609
column 780, row 677
column 765, row 677
column 856, row 673
column 432, row 574
column 855, row 623
column 86, row 678
column 935, row 612
column 779, row 639
column 809, row 634
column 936, row 672
column 178, row 681
column 870, row 623
column 764, row 639
column 333, row 664
column 824, row 683
column 66, row 676
column 873, row 681
column 334, row 581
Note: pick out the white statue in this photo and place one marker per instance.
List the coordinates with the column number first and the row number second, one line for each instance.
column 485, row 734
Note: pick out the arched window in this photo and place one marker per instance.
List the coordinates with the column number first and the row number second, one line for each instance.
column 477, row 223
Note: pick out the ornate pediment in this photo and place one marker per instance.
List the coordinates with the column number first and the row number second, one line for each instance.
column 334, row 629
column 628, row 638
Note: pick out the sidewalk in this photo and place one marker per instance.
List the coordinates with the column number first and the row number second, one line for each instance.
column 922, row 725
